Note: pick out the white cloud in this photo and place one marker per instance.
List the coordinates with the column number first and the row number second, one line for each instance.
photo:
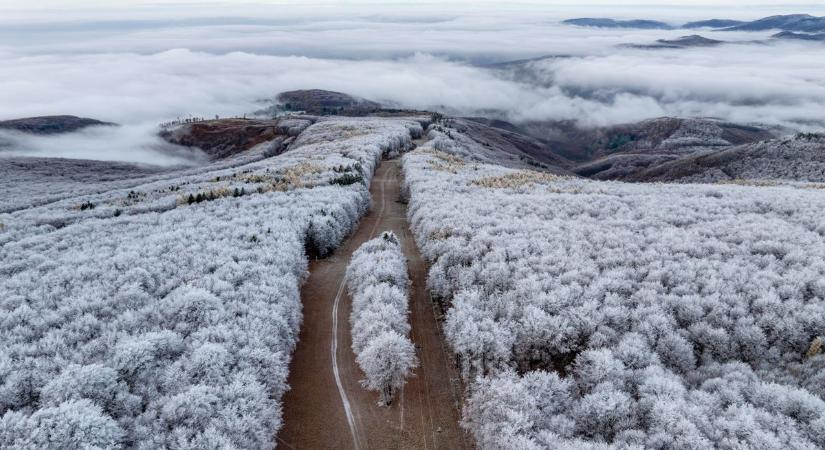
column 732, row 82
column 130, row 143
column 164, row 61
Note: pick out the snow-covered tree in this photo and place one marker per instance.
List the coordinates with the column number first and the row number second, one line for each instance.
column 71, row 424
column 170, row 324
column 387, row 361
column 674, row 314
column 378, row 283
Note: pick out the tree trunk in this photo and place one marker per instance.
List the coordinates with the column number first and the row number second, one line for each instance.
column 386, row 395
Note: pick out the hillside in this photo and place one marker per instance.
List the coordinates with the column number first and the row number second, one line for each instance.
column 27, row 182
column 663, row 149
column 412, row 225
column 804, row 23
column 497, row 144
column 323, row 103
column 167, row 312
column 188, row 267
column 713, row 23
column 800, row 158
column 666, row 135
column 800, row 36
column 590, row 314
column 691, row 41
column 222, row 138
column 613, row 23
column 50, row 124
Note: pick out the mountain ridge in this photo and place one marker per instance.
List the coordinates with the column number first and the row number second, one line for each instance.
column 44, row 125
column 801, row 23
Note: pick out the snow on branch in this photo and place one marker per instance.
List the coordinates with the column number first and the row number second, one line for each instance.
column 378, row 283
column 601, row 315
column 148, row 322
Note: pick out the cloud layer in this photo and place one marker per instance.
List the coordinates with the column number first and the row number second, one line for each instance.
column 159, row 65
column 128, row 143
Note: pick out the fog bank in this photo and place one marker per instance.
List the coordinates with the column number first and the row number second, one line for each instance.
column 157, row 63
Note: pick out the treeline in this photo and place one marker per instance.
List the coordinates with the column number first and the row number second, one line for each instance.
column 606, row 315
column 170, row 329
column 378, row 283
column 189, row 120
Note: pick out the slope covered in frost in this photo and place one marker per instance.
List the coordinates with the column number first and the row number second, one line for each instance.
column 164, row 315
column 609, row 315
column 378, row 283
column 798, row 158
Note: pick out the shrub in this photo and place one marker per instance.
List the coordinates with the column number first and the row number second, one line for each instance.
column 87, row 205
column 347, row 179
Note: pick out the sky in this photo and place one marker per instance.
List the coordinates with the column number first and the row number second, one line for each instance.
column 139, row 64
column 74, row 10
column 11, row 4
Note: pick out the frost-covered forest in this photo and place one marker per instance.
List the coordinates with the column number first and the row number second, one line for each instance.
column 596, row 315
column 378, row 283
column 162, row 310
column 164, row 314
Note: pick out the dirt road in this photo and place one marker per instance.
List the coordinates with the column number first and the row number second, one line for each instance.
column 327, row 408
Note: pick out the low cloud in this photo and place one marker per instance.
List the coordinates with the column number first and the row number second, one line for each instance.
column 731, row 82
column 776, row 84
column 131, row 143
column 141, row 75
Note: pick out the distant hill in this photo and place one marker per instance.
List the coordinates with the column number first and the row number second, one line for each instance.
column 523, row 62
column 694, row 40
column 793, row 22
column 682, row 42
column 801, row 23
column 790, row 35
column 621, row 166
column 324, row 103
column 620, row 152
column 702, row 151
column 800, row 158
column 500, row 142
column 224, row 138
column 612, row 23
column 666, row 135
column 50, row 124
column 713, row 23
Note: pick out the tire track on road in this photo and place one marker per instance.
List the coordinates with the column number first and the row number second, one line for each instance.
column 334, row 348
column 326, row 407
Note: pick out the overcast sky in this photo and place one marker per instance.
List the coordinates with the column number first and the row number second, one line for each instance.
column 16, row 9
column 14, row 4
